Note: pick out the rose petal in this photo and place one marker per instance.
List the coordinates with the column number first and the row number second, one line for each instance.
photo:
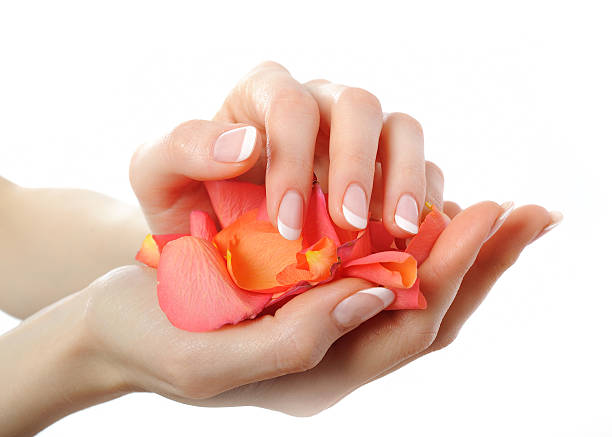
column 195, row 291
column 390, row 269
column 262, row 211
column 421, row 244
column 313, row 264
column 358, row 247
column 256, row 253
column 232, row 199
column 381, row 239
column 152, row 246
column 202, row 225
column 318, row 224
column 408, row 298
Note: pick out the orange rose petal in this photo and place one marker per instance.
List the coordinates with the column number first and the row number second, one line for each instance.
column 152, row 246
column 390, row 269
column 313, row 264
column 256, row 253
column 232, row 199
column 240, row 226
column 149, row 252
column 202, row 225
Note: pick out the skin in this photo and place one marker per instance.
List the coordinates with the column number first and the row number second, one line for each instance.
column 111, row 337
column 338, row 132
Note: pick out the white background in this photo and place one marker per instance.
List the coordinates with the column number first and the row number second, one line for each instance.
column 515, row 103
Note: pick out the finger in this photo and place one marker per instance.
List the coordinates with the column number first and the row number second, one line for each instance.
column 494, row 258
column 403, row 165
column 391, row 338
column 195, row 150
column 497, row 255
column 275, row 102
column 354, row 119
column 435, row 188
column 451, row 209
column 295, row 339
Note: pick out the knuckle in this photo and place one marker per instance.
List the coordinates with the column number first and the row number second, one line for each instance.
column 432, row 168
column 406, row 121
column 419, row 335
column 179, row 373
column 297, row 99
column 316, row 82
column 300, row 352
column 360, row 160
column 179, row 143
column 134, row 169
column 358, row 96
column 422, row 341
column 269, row 65
column 498, row 265
column 443, row 341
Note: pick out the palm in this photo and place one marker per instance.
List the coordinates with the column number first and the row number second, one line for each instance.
column 453, row 292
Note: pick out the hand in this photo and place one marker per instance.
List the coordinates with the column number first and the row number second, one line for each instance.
column 456, row 278
column 365, row 160
column 112, row 338
column 291, row 361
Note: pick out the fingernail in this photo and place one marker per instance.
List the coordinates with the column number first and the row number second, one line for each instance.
column 290, row 212
column 407, row 214
column 355, row 207
column 555, row 218
column 507, row 209
column 362, row 305
column 235, row 145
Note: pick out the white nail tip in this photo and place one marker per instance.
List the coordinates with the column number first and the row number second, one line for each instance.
column 248, row 143
column 556, row 218
column 354, row 219
column 508, row 207
column 406, row 225
column 384, row 294
column 287, row 231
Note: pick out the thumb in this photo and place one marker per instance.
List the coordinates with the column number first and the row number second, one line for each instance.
column 195, row 150
column 302, row 330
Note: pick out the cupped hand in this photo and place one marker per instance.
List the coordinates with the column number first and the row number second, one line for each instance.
column 315, row 349
column 272, row 129
column 463, row 266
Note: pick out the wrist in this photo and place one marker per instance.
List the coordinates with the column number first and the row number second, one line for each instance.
column 50, row 368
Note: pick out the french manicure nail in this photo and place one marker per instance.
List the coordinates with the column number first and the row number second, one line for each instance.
column 555, row 218
column 355, row 207
column 235, row 145
column 507, row 208
column 362, row 305
column 290, row 213
column 407, row 214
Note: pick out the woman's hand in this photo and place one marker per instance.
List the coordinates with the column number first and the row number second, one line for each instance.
column 292, row 361
column 273, row 130
column 112, row 337
column 460, row 271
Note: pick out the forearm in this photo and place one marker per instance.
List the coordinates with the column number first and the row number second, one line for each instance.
column 49, row 369
column 56, row 241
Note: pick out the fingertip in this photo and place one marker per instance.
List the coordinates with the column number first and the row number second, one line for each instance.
column 290, row 217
